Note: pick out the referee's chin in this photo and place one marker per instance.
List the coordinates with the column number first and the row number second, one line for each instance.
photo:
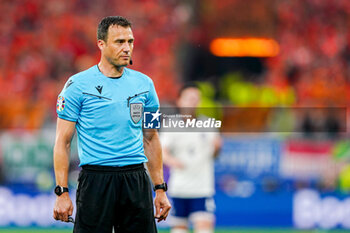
column 124, row 64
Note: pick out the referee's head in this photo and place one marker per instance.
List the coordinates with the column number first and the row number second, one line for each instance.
column 106, row 22
column 115, row 40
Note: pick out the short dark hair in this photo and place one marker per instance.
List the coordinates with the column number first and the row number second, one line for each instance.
column 102, row 30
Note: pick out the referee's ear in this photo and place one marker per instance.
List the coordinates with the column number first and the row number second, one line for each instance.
column 101, row 44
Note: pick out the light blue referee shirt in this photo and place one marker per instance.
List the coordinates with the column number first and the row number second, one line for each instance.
column 108, row 115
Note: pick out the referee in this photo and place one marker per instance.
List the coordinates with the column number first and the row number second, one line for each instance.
column 104, row 104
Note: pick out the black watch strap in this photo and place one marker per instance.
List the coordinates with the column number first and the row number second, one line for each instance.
column 59, row 190
column 163, row 186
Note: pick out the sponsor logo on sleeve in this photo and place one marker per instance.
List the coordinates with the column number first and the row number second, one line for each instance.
column 60, row 103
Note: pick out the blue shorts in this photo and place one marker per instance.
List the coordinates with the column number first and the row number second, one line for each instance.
column 184, row 207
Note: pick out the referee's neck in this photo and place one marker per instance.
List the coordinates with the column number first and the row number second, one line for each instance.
column 110, row 70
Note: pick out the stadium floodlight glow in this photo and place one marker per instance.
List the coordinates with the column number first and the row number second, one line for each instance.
column 244, row 47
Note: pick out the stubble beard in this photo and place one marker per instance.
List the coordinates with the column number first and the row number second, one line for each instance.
column 115, row 65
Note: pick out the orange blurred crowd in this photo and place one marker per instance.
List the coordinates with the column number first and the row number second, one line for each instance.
column 315, row 51
column 44, row 42
column 312, row 68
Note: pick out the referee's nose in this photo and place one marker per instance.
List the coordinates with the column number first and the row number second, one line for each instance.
column 126, row 48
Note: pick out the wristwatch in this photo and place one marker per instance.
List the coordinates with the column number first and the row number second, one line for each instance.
column 59, row 190
column 163, row 186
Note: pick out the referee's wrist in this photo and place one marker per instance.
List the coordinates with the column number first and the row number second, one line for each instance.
column 160, row 192
column 163, row 187
column 64, row 195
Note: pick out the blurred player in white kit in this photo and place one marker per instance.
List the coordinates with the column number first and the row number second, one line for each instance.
column 190, row 157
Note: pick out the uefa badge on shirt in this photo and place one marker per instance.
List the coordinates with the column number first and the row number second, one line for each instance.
column 152, row 119
column 136, row 110
column 60, row 103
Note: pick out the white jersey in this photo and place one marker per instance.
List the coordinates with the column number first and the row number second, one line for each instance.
column 195, row 150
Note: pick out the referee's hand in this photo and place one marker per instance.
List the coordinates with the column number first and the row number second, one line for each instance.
column 63, row 208
column 162, row 205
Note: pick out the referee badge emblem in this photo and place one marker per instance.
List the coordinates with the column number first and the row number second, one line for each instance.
column 136, row 110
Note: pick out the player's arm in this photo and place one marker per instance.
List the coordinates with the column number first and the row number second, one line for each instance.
column 64, row 133
column 153, row 152
column 217, row 146
column 170, row 160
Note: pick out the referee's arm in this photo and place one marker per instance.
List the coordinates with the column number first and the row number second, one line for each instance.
column 153, row 152
column 64, row 133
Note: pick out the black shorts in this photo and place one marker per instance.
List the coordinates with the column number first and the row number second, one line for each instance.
column 118, row 197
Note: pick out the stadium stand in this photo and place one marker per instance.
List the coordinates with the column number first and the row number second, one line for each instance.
column 44, row 42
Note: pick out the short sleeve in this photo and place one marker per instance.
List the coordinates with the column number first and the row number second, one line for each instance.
column 68, row 102
column 152, row 100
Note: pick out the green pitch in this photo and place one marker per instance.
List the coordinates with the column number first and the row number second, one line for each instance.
column 34, row 230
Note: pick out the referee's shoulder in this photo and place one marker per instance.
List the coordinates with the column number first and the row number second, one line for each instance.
column 82, row 75
column 78, row 81
column 139, row 75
